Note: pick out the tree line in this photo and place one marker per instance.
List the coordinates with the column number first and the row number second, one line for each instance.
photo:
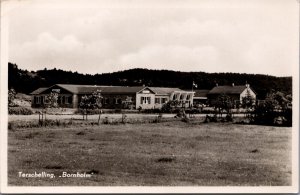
column 24, row 81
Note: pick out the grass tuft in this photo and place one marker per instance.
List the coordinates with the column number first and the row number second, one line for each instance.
column 80, row 133
column 53, row 167
column 93, row 171
column 165, row 159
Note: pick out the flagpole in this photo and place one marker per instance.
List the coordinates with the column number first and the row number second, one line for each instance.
column 192, row 86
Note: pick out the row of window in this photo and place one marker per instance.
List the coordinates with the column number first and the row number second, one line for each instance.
column 60, row 100
column 68, row 100
column 160, row 100
column 115, row 100
column 147, row 100
column 175, row 97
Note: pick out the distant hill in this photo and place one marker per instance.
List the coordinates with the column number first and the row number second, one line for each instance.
column 24, row 81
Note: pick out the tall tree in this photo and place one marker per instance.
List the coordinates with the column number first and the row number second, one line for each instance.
column 91, row 102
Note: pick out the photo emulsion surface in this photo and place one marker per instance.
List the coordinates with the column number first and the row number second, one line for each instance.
column 144, row 93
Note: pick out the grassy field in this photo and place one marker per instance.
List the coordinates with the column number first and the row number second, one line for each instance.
column 161, row 154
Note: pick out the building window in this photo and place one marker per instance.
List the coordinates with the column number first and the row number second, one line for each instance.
column 106, row 100
column 149, row 100
column 119, row 101
column 145, row 100
column 157, row 100
column 181, row 96
column 70, row 99
column 59, row 100
column 128, row 99
column 142, row 100
column 188, row 97
column 174, row 97
column 163, row 100
column 66, row 100
column 115, row 101
column 63, row 99
column 37, row 100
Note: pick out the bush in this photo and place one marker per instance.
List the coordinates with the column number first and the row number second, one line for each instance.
column 118, row 111
column 151, row 111
column 19, row 111
column 193, row 111
column 158, row 118
column 11, row 126
column 229, row 118
column 185, row 119
column 211, row 118
column 88, row 111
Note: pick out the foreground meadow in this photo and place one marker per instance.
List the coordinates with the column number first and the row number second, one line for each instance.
column 157, row 154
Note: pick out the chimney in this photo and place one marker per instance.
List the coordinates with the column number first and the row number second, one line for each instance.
column 232, row 84
column 247, row 85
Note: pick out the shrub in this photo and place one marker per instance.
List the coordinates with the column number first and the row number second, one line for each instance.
column 193, row 111
column 211, row 118
column 58, row 123
column 105, row 121
column 19, row 111
column 11, row 126
column 118, row 111
column 229, row 117
column 151, row 111
column 185, row 119
column 88, row 111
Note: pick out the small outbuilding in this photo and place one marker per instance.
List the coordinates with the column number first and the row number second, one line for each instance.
column 235, row 92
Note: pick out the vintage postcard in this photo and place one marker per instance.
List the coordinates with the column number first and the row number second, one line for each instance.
column 149, row 96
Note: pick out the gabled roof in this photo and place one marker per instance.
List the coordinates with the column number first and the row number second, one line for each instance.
column 201, row 92
column 164, row 90
column 38, row 91
column 238, row 89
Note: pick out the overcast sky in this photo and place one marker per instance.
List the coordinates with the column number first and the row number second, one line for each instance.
column 245, row 36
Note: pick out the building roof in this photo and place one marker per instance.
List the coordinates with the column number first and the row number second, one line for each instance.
column 88, row 89
column 121, row 89
column 238, row 89
column 201, row 92
column 38, row 91
column 78, row 89
column 164, row 90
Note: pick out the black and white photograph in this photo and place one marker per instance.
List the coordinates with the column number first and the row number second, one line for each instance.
column 149, row 96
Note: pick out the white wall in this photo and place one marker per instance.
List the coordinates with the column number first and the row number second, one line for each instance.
column 161, row 104
column 145, row 106
column 244, row 93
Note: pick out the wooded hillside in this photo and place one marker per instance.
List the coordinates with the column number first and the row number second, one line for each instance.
column 24, row 81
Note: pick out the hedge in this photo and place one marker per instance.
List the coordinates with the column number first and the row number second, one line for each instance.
column 19, row 111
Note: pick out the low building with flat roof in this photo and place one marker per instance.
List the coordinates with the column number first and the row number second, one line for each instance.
column 114, row 97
